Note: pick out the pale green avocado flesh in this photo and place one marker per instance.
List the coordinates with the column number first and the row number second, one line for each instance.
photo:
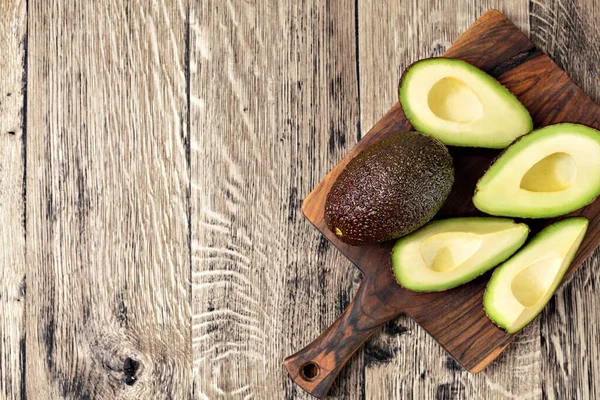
column 461, row 105
column 548, row 173
column 520, row 288
column 447, row 253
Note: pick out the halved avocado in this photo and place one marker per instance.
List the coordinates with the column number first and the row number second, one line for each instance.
column 520, row 288
column 550, row 172
column 447, row 253
column 461, row 105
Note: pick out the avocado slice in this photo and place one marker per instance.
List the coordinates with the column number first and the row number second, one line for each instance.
column 520, row 288
column 550, row 172
column 389, row 189
column 461, row 105
column 447, row 253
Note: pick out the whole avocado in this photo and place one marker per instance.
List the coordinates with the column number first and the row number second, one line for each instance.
column 390, row 189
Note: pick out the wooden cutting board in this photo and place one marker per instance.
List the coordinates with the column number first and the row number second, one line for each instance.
column 455, row 318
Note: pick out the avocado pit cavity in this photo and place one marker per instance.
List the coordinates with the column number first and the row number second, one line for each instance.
column 444, row 252
column 553, row 173
column 531, row 284
column 452, row 100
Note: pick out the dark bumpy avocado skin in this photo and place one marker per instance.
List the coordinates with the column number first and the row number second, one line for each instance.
column 390, row 189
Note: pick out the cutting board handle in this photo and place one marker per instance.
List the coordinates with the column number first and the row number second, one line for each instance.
column 315, row 367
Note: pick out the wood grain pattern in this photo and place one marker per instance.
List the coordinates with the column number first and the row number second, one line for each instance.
column 108, row 311
column 283, row 74
column 13, row 23
column 455, row 318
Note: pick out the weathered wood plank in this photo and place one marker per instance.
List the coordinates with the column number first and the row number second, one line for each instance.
column 107, row 234
column 568, row 32
column 404, row 361
column 13, row 20
column 274, row 106
column 569, row 335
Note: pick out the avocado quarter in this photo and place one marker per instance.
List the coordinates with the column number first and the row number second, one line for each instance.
column 521, row 287
column 548, row 173
column 450, row 252
column 461, row 105
column 390, row 189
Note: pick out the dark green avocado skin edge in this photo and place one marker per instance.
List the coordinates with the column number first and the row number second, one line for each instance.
column 468, row 278
column 390, row 189
column 539, row 237
column 410, row 115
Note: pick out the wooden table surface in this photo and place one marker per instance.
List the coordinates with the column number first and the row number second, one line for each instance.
column 153, row 159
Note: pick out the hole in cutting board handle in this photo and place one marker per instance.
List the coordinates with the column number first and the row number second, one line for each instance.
column 309, row 371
